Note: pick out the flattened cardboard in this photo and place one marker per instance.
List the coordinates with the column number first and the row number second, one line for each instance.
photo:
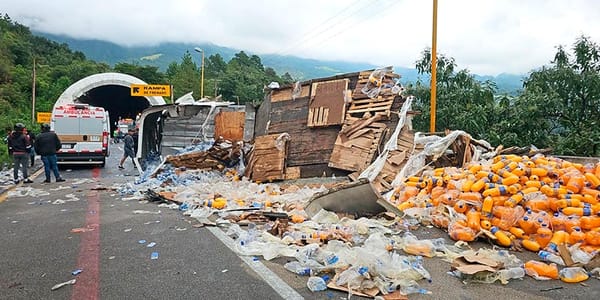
column 473, row 258
column 470, row 269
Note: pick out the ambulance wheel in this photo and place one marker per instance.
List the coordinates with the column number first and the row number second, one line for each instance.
column 103, row 163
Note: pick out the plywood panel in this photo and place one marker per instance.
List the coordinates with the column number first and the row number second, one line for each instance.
column 230, row 125
column 327, row 106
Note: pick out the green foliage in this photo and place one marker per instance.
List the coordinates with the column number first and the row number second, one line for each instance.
column 564, row 100
column 559, row 106
column 462, row 103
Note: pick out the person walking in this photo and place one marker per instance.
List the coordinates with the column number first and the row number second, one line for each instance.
column 128, row 150
column 18, row 144
column 46, row 144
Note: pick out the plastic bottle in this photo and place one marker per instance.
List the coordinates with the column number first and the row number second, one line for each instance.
column 500, row 190
column 501, row 238
column 536, row 269
column 571, row 222
column 316, row 284
column 479, row 185
column 505, row 275
column 460, row 232
column 517, row 232
column 486, row 208
column 592, row 237
column 580, row 256
column 589, row 222
column 576, row 236
column 551, row 257
column 460, row 206
column 578, row 211
column 527, row 224
column 486, row 224
column 573, row 275
column 531, row 245
column 474, row 219
column 558, row 237
column 543, row 235
column 298, row 268
column 514, row 200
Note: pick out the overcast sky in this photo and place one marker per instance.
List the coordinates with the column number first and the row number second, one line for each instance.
column 485, row 36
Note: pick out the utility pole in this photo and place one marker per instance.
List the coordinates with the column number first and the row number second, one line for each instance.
column 201, row 73
column 433, row 67
column 33, row 94
column 216, row 85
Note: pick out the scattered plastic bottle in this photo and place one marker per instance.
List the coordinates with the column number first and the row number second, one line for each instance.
column 551, row 257
column 573, row 275
column 297, row 268
column 331, row 259
column 316, row 284
column 537, row 269
column 505, row 275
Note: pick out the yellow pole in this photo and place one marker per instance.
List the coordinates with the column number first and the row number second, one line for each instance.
column 433, row 67
column 202, row 78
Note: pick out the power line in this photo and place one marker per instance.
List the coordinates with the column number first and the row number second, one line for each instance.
column 324, row 26
column 380, row 11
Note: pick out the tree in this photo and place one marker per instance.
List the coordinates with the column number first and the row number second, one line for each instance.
column 562, row 100
column 184, row 77
column 149, row 74
column 463, row 103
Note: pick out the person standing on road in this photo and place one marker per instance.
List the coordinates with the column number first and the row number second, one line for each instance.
column 31, row 150
column 46, row 144
column 18, row 144
column 128, row 150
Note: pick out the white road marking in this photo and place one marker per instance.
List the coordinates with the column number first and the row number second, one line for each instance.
column 282, row 288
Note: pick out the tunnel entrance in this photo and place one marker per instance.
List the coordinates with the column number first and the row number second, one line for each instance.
column 117, row 100
column 112, row 91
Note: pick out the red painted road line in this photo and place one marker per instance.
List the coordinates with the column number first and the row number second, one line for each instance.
column 88, row 282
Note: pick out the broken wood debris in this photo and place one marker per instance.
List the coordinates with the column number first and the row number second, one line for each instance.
column 223, row 153
column 267, row 159
column 357, row 145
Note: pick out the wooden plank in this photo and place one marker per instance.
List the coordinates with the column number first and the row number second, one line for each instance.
column 285, row 94
column 371, row 104
column 292, row 173
column 230, row 125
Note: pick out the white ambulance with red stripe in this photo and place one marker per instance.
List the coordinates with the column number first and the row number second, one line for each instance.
column 84, row 132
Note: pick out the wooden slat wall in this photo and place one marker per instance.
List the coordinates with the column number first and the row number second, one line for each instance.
column 307, row 146
column 266, row 162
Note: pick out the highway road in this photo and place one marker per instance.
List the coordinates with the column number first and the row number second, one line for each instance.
column 82, row 224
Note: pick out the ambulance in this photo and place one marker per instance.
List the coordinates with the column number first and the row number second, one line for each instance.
column 84, row 132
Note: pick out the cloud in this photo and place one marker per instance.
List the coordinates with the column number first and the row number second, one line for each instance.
column 486, row 37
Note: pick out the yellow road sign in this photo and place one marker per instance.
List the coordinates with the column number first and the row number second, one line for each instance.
column 44, row 117
column 150, row 90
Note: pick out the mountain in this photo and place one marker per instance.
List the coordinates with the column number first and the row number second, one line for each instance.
column 301, row 68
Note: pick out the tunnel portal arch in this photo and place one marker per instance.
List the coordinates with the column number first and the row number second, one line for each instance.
column 110, row 91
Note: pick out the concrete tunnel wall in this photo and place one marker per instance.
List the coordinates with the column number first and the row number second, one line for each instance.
column 111, row 91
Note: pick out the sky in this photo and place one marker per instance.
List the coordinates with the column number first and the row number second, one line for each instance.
column 486, row 37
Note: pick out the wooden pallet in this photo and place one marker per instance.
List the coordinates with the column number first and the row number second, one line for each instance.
column 378, row 105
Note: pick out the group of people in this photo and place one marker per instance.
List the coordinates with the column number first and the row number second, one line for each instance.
column 21, row 145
